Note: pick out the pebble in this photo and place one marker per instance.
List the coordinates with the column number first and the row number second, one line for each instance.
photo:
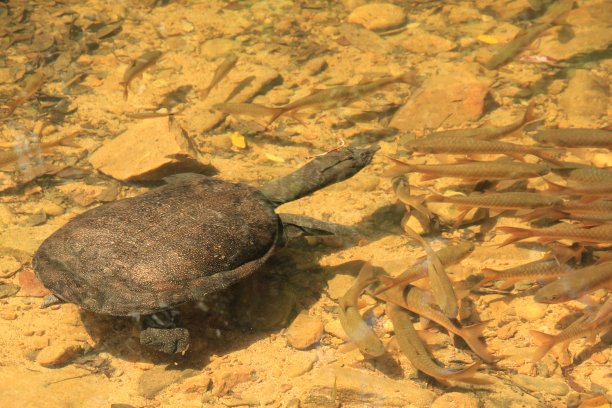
column 304, row 331
column 378, row 16
column 8, row 289
column 153, row 381
column 422, row 42
column 456, row 400
column 198, row 383
column 224, row 381
column 334, row 328
column 30, row 285
column 9, row 316
column 217, row 48
column 539, row 384
column 530, row 311
column 57, row 354
column 300, row 363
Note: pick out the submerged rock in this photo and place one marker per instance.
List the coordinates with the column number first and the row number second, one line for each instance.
column 378, row 16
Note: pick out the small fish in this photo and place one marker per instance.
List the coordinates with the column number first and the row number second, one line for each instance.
column 540, row 270
column 341, row 95
column 477, row 171
column 31, row 85
column 598, row 234
column 540, row 59
column 576, row 284
column 584, row 326
column 222, row 70
column 8, row 157
column 471, row 146
column 449, row 255
column 585, row 180
column 247, row 109
column 520, row 200
column 353, row 324
column 412, row 346
column 137, row 67
column 510, row 49
column 417, row 301
column 401, row 188
column 575, row 137
column 440, row 284
column 492, row 132
column 597, row 211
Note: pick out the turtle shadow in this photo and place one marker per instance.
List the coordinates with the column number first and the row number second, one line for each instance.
column 228, row 320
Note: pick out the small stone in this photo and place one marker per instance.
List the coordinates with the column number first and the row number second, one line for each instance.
column 30, row 285
column 334, row 328
column 51, row 209
column 8, row 316
column 304, row 331
column 338, row 285
column 378, row 16
column 198, row 383
column 539, row 384
column 456, row 400
column 301, row 362
column 422, row 42
column 530, row 311
column 153, row 381
column 224, row 381
column 507, row 332
column 8, row 289
column 58, row 354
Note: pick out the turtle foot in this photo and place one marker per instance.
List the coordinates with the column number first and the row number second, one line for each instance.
column 167, row 341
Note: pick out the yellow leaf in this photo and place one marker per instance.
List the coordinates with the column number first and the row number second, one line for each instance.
column 238, row 140
column 487, row 39
column 274, row 158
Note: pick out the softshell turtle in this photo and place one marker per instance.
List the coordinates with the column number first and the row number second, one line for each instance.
column 174, row 244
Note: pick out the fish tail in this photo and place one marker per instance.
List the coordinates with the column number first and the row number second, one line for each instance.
column 467, row 375
column 516, row 234
column 475, row 330
column 471, row 334
column 68, row 140
column 545, row 342
column 276, row 113
column 399, row 169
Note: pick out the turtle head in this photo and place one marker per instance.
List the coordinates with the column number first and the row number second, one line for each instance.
column 326, row 169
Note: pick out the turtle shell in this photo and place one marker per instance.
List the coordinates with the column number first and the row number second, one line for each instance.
column 168, row 246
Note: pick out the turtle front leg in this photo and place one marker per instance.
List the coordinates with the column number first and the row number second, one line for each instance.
column 160, row 332
column 295, row 225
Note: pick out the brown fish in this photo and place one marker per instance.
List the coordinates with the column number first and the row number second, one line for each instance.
column 490, row 132
column 597, row 234
column 220, row 73
column 540, row 270
column 476, row 171
column 417, row 301
column 575, row 137
column 412, row 346
column 586, row 180
column 584, row 326
column 449, row 255
column 137, row 67
column 8, row 157
column 520, row 200
column 353, row 324
column 510, row 49
column 440, row 284
column 341, row 95
column 31, row 85
column 247, row 109
column 576, row 284
column 472, row 146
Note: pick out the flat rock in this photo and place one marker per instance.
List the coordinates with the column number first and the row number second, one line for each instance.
column 586, row 98
column 456, row 400
column 218, row 47
column 363, row 39
column 301, row 362
column 529, row 310
column 30, row 285
column 378, row 16
column 225, row 380
column 453, row 96
column 423, row 42
column 339, row 285
column 304, row 331
column 147, row 150
column 57, row 354
column 363, row 388
column 539, row 384
column 8, row 266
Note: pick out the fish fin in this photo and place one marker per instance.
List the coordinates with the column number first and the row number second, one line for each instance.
column 547, row 156
column 516, row 156
column 585, row 199
column 544, row 213
column 530, row 115
column 516, row 234
column 475, row 330
column 408, row 77
column 554, row 187
column 544, row 341
column 466, row 374
column 426, row 177
column 276, row 113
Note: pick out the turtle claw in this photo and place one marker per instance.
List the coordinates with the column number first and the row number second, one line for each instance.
column 167, row 341
column 51, row 300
